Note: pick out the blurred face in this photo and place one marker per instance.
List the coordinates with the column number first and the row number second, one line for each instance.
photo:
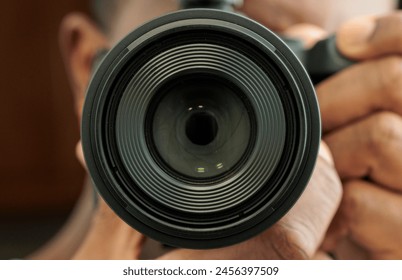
column 275, row 14
column 81, row 39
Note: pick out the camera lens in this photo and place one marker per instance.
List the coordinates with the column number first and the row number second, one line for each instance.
column 200, row 129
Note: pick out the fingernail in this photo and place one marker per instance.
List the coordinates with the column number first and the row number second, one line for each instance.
column 353, row 36
column 358, row 31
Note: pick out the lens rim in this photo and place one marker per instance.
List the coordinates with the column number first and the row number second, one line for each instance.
column 103, row 175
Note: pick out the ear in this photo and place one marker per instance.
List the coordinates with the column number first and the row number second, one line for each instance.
column 80, row 40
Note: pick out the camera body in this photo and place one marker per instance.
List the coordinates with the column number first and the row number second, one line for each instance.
column 201, row 128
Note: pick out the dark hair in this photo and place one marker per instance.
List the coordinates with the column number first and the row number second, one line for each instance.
column 103, row 12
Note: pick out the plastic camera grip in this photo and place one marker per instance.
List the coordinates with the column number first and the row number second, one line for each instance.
column 322, row 60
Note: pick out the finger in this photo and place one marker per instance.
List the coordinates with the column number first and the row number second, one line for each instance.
column 308, row 34
column 338, row 243
column 370, row 37
column 308, row 221
column 370, row 148
column 361, row 90
column 346, row 249
column 337, row 231
column 374, row 218
column 276, row 15
column 320, row 255
column 109, row 237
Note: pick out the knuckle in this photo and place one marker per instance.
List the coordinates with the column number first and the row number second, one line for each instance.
column 289, row 245
column 385, row 129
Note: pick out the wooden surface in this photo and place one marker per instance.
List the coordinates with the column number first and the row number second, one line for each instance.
column 39, row 176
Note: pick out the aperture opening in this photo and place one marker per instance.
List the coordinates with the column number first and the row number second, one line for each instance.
column 201, row 128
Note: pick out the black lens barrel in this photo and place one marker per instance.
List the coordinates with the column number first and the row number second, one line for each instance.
column 201, row 129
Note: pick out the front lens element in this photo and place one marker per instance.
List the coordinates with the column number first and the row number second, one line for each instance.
column 201, row 128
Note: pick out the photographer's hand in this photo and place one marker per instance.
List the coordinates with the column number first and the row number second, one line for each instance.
column 361, row 111
column 109, row 238
column 299, row 234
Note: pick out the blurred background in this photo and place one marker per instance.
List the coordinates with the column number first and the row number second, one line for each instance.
column 40, row 178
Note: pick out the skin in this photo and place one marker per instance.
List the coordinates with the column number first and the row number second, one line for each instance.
column 366, row 160
column 365, row 137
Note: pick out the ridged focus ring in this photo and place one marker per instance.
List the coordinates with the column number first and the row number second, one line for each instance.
column 200, row 58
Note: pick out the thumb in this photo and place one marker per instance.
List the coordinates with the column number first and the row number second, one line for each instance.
column 307, row 222
column 370, row 37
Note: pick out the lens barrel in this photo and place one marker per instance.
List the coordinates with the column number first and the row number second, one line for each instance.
column 200, row 129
